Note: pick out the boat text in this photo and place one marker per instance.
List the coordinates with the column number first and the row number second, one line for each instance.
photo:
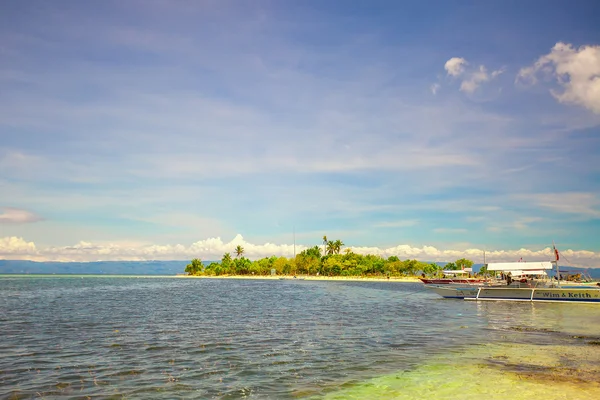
column 571, row 295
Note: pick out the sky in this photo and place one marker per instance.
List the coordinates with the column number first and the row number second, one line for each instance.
column 135, row 130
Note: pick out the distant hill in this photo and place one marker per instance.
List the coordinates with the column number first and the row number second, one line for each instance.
column 148, row 267
column 96, row 268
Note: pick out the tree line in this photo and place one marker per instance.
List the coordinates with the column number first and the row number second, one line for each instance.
column 323, row 261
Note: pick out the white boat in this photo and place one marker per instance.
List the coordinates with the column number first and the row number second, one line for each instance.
column 580, row 294
column 526, row 286
column 453, row 277
column 451, row 291
column 461, row 290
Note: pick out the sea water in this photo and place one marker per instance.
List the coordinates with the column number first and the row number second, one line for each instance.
column 139, row 338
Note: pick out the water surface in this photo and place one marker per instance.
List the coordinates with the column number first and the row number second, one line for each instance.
column 138, row 338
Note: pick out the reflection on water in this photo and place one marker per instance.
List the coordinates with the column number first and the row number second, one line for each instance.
column 569, row 319
column 532, row 351
column 187, row 338
column 490, row 372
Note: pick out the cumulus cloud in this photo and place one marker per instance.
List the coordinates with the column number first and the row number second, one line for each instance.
column 576, row 70
column 15, row 247
column 476, row 78
column 213, row 249
column 455, row 66
column 576, row 258
column 471, row 79
column 208, row 249
column 9, row 215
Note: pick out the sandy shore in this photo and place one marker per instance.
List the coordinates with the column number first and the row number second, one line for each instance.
column 307, row 278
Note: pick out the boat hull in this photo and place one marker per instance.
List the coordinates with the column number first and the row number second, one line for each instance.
column 453, row 292
column 446, row 281
column 563, row 295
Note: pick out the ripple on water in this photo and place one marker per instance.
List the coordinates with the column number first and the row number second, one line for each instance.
column 176, row 338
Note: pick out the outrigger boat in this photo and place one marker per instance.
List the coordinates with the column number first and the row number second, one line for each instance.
column 454, row 277
column 532, row 290
column 522, row 289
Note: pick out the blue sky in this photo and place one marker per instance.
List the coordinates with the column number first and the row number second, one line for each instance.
column 165, row 129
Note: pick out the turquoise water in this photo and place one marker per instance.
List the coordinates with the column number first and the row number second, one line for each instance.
column 139, row 338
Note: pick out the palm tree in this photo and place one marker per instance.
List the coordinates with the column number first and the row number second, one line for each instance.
column 330, row 247
column 337, row 245
column 239, row 251
column 226, row 260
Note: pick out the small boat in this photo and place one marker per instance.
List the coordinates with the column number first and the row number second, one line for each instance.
column 453, row 278
column 581, row 294
column 525, row 287
column 451, row 291
column 447, row 281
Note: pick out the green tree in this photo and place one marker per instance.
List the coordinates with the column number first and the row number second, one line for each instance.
column 463, row 262
column 334, row 265
column 195, row 267
column 239, row 251
column 314, row 252
column 409, row 267
column 450, row 266
column 330, row 247
column 378, row 266
column 242, row 265
column 431, row 269
column 281, row 265
column 338, row 244
column 226, row 264
column 212, row 269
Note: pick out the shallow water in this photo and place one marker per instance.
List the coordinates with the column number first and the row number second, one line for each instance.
column 195, row 338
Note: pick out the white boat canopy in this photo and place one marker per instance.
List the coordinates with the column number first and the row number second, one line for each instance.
column 454, row 272
column 515, row 272
column 519, row 266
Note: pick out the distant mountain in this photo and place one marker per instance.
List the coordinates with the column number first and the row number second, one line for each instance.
column 149, row 267
column 96, row 268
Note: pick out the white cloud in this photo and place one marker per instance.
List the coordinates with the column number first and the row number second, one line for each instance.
column 434, row 88
column 213, row 249
column 582, row 203
column 576, row 70
column 450, row 230
column 511, row 224
column 581, row 258
column 471, row 78
column 455, row 66
column 155, row 145
column 208, row 249
column 15, row 246
column 9, row 215
column 472, row 82
column 397, row 224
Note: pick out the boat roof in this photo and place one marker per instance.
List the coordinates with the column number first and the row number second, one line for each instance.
column 454, row 271
column 519, row 266
column 529, row 272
